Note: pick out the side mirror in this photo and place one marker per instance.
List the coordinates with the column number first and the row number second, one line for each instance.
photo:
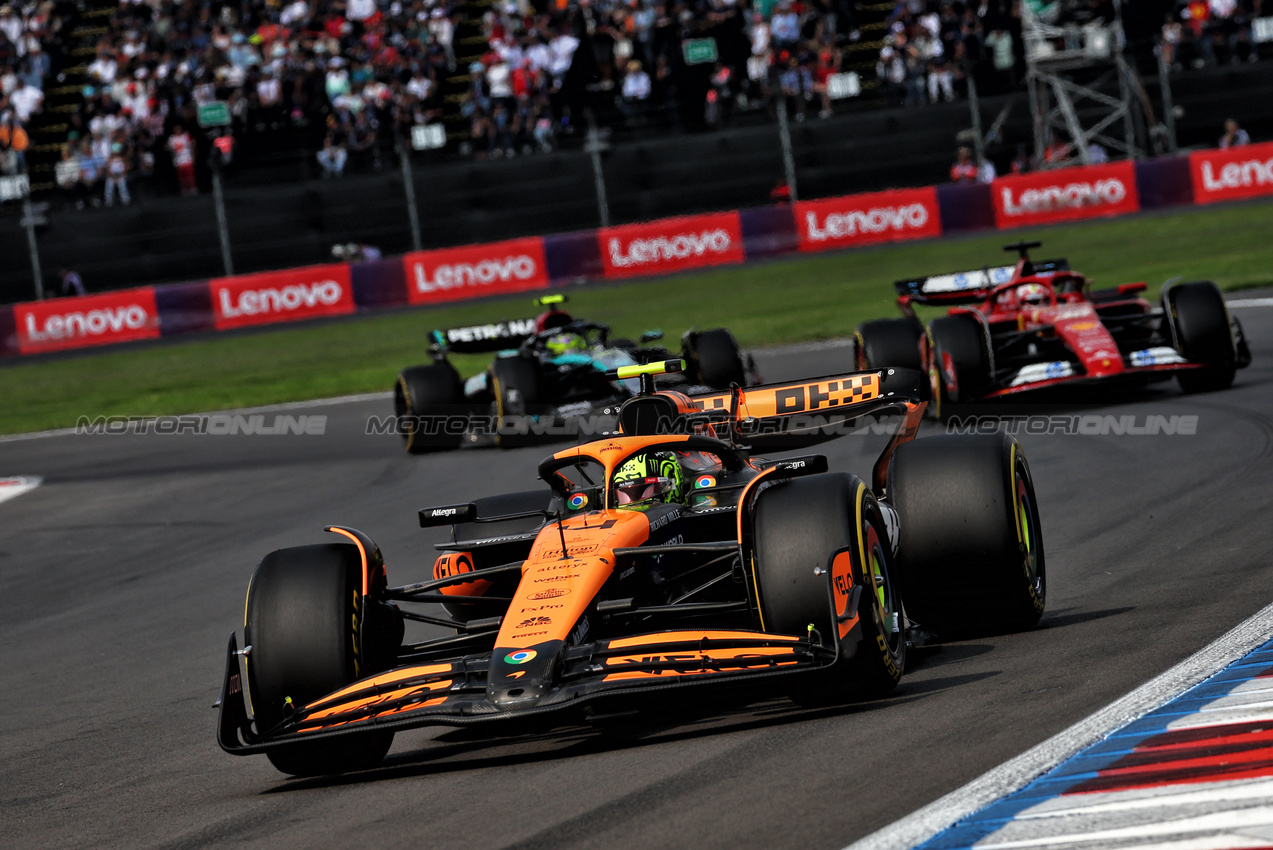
column 651, row 336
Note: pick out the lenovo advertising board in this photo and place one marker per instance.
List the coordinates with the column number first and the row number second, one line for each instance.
column 1065, row 194
column 472, row 271
column 867, row 219
column 61, row 323
column 282, row 296
column 671, row 245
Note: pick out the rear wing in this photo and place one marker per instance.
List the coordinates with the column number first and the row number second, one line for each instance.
column 958, row 287
column 805, row 412
column 482, row 339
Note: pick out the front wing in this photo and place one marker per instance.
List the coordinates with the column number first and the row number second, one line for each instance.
column 633, row 670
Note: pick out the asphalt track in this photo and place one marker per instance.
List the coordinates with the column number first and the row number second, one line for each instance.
column 123, row 574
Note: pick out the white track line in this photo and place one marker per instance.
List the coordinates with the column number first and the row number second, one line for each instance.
column 1251, row 302
column 289, row 405
column 1018, row 772
column 13, row 487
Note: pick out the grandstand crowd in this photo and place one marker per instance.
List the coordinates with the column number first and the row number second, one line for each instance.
column 356, row 75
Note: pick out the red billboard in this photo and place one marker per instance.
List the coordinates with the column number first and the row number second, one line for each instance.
column 672, row 244
column 867, row 219
column 471, row 271
column 1066, row 194
column 1231, row 174
column 122, row 316
column 282, row 296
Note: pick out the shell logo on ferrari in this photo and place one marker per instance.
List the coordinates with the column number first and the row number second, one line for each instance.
column 1084, row 326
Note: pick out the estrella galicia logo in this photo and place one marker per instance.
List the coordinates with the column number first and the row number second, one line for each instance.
column 521, row 656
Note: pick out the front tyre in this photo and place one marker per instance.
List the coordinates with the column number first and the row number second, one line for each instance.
column 428, row 402
column 1204, row 334
column 959, row 361
column 718, row 360
column 517, row 384
column 889, row 342
column 303, row 610
column 971, row 542
column 819, row 544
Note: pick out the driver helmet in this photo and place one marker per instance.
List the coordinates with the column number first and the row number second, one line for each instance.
column 566, row 343
column 1033, row 294
column 647, row 479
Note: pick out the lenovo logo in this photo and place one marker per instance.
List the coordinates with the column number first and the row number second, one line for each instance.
column 255, row 302
column 1238, row 175
column 1070, row 196
column 482, row 273
column 69, row 325
column 876, row 220
column 668, row 245
column 88, row 320
column 664, row 248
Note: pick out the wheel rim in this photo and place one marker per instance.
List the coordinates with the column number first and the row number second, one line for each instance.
column 1028, row 533
column 876, row 573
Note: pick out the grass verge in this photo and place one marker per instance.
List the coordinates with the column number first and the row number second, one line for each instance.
column 789, row 300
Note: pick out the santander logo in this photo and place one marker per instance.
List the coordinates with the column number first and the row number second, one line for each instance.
column 519, row 267
column 285, row 299
column 659, row 249
column 1071, row 196
column 875, row 220
column 89, row 323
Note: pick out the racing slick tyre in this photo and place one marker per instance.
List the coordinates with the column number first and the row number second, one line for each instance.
column 428, row 402
column 518, row 389
column 970, row 554
column 889, row 342
column 301, row 622
column 718, row 360
column 959, row 366
column 1204, row 335
column 818, row 539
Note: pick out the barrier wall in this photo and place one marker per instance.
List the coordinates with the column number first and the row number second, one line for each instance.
column 658, row 247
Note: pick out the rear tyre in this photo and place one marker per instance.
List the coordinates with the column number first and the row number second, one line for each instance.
column 960, row 363
column 971, row 546
column 889, row 342
column 1204, row 335
column 518, row 389
column 428, row 402
column 816, row 540
column 719, row 361
column 301, row 622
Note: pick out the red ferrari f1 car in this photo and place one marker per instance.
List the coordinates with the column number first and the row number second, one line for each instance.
column 662, row 559
column 1038, row 324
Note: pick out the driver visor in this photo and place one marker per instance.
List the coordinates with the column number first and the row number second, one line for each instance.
column 638, row 490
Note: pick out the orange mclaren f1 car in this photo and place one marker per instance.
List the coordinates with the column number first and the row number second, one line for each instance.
column 663, row 559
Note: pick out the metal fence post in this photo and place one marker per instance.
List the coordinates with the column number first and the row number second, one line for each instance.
column 788, row 160
column 408, row 188
column 28, row 219
column 594, row 146
column 223, row 228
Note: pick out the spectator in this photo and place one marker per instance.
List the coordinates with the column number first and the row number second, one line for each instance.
column 1234, row 136
column 181, row 146
column 964, row 170
column 117, row 176
column 14, row 140
column 72, row 284
column 26, row 101
column 333, row 155
column 636, row 90
column 1021, row 163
